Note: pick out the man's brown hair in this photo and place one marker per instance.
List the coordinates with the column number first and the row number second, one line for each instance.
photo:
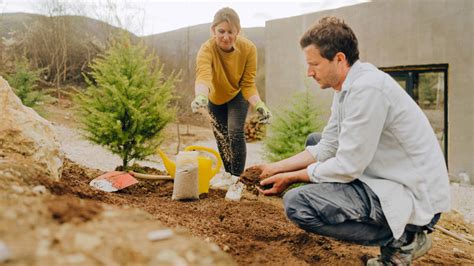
column 332, row 35
column 226, row 14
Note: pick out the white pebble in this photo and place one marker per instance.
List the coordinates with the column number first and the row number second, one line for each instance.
column 18, row 189
column 75, row 258
column 457, row 250
column 4, row 252
column 39, row 190
column 160, row 234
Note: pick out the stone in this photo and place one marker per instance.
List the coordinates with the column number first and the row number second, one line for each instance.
column 4, row 252
column 17, row 189
column 163, row 234
column 86, row 242
column 39, row 190
column 26, row 138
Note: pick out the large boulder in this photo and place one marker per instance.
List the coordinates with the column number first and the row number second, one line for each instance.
column 26, row 139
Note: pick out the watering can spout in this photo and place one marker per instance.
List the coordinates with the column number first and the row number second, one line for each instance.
column 169, row 165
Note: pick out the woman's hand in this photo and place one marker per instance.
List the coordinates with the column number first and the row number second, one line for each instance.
column 199, row 103
column 264, row 113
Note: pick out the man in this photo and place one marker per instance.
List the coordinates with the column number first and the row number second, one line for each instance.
column 377, row 175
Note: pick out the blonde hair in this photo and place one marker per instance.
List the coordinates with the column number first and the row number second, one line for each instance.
column 226, row 14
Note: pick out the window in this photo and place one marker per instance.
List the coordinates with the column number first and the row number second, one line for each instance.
column 428, row 86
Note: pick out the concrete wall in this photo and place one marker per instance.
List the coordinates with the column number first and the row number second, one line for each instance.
column 391, row 33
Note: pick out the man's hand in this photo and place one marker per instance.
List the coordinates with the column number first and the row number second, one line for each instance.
column 266, row 169
column 199, row 103
column 279, row 183
column 264, row 113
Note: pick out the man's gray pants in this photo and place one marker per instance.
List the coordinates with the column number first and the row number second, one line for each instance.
column 345, row 211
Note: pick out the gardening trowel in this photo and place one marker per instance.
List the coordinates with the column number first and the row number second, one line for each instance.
column 113, row 181
column 116, row 180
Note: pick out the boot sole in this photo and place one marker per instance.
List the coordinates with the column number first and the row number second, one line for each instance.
column 424, row 249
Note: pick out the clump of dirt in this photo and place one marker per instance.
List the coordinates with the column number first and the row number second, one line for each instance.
column 142, row 169
column 252, row 232
column 70, row 209
column 251, row 178
column 75, row 181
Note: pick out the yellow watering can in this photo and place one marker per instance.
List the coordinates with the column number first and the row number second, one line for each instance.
column 205, row 170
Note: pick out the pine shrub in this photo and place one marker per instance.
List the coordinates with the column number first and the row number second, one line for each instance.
column 127, row 102
column 24, row 83
column 291, row 126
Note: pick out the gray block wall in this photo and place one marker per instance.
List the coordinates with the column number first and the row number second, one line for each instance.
column 390, row 33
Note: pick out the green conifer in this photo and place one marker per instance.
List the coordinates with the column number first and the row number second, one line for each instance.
column 291, row 126
column 127, row 102
column 24, row 83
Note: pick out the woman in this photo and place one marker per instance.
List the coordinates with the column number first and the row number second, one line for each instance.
column 226, row 65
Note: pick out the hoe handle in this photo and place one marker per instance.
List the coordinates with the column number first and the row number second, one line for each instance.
column 150, row 177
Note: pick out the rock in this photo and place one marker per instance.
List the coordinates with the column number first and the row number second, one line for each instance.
column 190, row 256
column 18, row 189
column 75, row 258
column 168, row 257
column 457, row 250
column 160, row 234
column 39, row 190
column 26, row 139
column 42, row 247
column 86, row 242
column 4, row 252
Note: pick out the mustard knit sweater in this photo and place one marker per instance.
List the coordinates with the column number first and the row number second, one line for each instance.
column 226, row 73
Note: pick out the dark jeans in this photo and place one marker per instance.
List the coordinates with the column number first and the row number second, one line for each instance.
column 345, row 211
column 228, row 127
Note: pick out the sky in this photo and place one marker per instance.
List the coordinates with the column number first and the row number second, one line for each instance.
column 146, row 17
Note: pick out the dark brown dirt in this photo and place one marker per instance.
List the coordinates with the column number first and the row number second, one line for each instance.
column 70, row 209
column 253, row 232
column 251, row 179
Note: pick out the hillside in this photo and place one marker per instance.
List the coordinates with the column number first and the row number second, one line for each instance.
column 11, row 23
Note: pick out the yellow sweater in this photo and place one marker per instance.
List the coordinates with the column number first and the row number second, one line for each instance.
column 225, row 74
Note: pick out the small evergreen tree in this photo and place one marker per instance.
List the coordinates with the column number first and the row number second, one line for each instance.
column 127, row 104
column 291, row 126
column 24, row 83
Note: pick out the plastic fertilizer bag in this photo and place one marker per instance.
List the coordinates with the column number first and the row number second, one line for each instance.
column 186, row 178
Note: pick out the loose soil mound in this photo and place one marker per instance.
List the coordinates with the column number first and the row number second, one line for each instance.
column 66, row 209
column 253, row 232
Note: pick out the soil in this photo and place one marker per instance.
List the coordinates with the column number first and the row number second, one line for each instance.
column 252, row 232
column 251, row 178
column 74, row 224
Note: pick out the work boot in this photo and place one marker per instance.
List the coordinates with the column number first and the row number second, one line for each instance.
column 405, row 255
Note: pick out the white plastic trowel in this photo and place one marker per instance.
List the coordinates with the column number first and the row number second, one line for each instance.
column 234, row 193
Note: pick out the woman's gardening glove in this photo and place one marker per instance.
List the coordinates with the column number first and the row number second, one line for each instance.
column 199, row 102
column 264, row 113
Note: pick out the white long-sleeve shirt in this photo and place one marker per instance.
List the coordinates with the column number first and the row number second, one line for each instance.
column 378, row 134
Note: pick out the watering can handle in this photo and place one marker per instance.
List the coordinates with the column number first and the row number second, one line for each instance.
column 202, row 148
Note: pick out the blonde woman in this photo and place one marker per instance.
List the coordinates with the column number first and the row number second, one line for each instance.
column 226, row 66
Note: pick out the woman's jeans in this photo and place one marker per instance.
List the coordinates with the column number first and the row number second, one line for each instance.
column 345, row 211
column 228, row 127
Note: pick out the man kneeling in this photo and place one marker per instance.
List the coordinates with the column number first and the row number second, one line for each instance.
column 376, row 175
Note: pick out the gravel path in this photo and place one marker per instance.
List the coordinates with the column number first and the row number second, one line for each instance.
column 93, row 156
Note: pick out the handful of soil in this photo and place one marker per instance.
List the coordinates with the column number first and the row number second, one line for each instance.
column 251, row 178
